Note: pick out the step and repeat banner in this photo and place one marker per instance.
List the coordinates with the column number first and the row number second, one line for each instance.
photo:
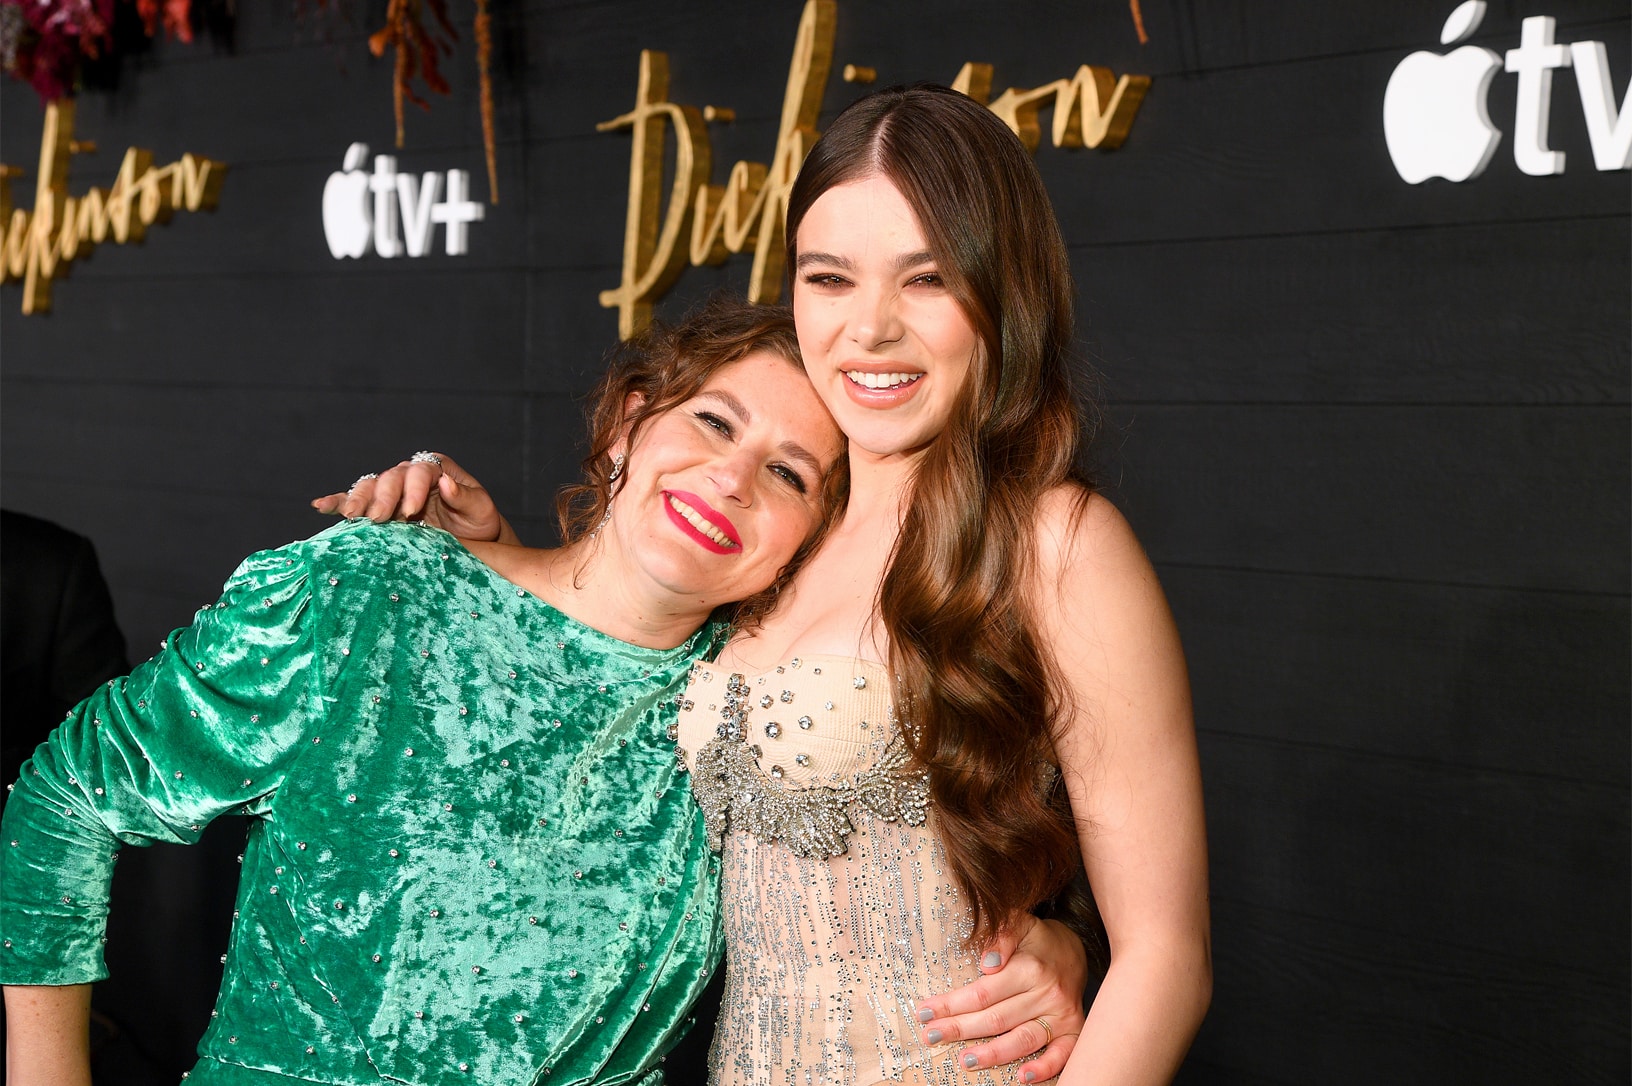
column 1352, row 281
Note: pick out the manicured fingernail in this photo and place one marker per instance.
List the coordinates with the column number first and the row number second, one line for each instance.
column 1028, row 1076
column 969, row 1060
column 992, row 959
column 925, row 1014
column 933, row 1036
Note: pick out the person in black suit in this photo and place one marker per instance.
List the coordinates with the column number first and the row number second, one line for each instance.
column 58, row 637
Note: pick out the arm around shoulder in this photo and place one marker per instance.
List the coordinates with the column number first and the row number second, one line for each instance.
column 1128, row 754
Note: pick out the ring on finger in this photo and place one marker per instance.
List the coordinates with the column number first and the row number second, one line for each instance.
column 425, row 456
column 361, row 478
column 1048, row 1030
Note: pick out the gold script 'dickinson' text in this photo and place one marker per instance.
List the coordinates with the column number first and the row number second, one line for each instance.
column 705, row 223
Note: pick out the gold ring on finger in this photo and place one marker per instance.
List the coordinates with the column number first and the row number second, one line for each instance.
column 1048, row 1030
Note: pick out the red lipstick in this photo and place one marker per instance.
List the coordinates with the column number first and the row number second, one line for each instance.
column 718, row 521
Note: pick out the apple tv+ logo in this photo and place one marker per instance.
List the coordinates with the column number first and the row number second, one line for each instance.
column 354, row 224
column 1435, row 117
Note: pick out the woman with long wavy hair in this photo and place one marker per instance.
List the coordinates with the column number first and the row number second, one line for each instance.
column 974, row 684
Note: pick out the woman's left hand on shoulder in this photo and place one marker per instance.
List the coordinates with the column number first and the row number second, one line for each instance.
column 1029, row 1000
column 429, row 488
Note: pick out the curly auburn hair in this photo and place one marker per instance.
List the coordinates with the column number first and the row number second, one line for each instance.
column 666, row 365
column 974, row 682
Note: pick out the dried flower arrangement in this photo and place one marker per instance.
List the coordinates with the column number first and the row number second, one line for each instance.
column 417, row 49
column 47, row 43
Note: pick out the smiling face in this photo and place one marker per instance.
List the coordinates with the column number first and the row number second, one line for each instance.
column 722, row 489
column 887, row 346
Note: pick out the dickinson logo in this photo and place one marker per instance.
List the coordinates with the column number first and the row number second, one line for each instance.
column 353, row 223
column 1437, row 124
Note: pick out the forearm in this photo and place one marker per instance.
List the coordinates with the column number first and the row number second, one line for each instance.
column 56, row 869
column 48, row 1035
column 1146, row 1014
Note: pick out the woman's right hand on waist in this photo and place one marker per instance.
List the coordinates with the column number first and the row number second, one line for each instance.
column 430, row 488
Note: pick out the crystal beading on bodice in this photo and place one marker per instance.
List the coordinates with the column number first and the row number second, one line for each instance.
column 840, row 909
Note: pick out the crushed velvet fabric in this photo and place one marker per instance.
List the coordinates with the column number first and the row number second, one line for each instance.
column 471, row 858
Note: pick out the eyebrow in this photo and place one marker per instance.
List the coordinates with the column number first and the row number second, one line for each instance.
column 901, row 263
column 807, row 259
column 791, row 449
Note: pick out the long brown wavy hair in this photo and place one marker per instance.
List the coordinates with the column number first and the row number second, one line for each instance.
column 661, row 367
column 977, row 689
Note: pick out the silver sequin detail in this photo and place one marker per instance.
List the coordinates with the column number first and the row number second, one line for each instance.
column 736, row 794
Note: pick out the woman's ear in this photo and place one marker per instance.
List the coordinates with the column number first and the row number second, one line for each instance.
column 619, row 449
column 632, row 404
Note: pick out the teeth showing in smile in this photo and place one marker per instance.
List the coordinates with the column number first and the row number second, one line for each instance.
column 696, row 520
column 881, row 380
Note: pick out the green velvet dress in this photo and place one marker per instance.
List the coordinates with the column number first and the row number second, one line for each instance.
column 472, row 856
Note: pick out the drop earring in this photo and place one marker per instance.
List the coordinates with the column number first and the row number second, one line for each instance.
column 617, row 470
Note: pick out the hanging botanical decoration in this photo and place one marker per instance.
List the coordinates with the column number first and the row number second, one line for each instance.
column 49, row 43
column 44, row 44
column 418, row 48
column 175, row 15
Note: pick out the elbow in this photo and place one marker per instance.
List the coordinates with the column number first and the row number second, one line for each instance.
column 1201, row 979
column 1204, row 991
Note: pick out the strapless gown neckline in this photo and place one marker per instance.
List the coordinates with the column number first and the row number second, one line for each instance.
column 839, row 907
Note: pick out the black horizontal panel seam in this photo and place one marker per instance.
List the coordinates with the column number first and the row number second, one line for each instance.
column 1615, row 978
column 1194, row 1062
column 205, row 48
column 1466, row 769
column 1341, row 405
column 327, row 271
column 328, row 156
column 237, row 493
column 1374, row 578
column 1354, row 231
column 464, row 392
column 1387, row 49
column 400, row 268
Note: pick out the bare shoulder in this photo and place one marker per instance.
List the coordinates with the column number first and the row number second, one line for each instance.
column 510, row 561
column 1084, row 540
column 1098, row 599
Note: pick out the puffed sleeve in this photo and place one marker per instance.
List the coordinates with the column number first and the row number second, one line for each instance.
column 207, row 726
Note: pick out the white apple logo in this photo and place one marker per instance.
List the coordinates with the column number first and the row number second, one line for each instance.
column 347, row 222
column 1434, row 114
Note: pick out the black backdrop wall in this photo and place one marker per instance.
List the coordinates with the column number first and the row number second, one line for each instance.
column 1374, row 435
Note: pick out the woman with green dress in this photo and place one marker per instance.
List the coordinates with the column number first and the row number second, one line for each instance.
column 471, row 855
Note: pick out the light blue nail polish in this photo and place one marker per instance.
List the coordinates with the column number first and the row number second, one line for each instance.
column 926, row 1015
column 1028, row 1076
column 992, row 959
column 969, row 1060
column 933, row 1036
